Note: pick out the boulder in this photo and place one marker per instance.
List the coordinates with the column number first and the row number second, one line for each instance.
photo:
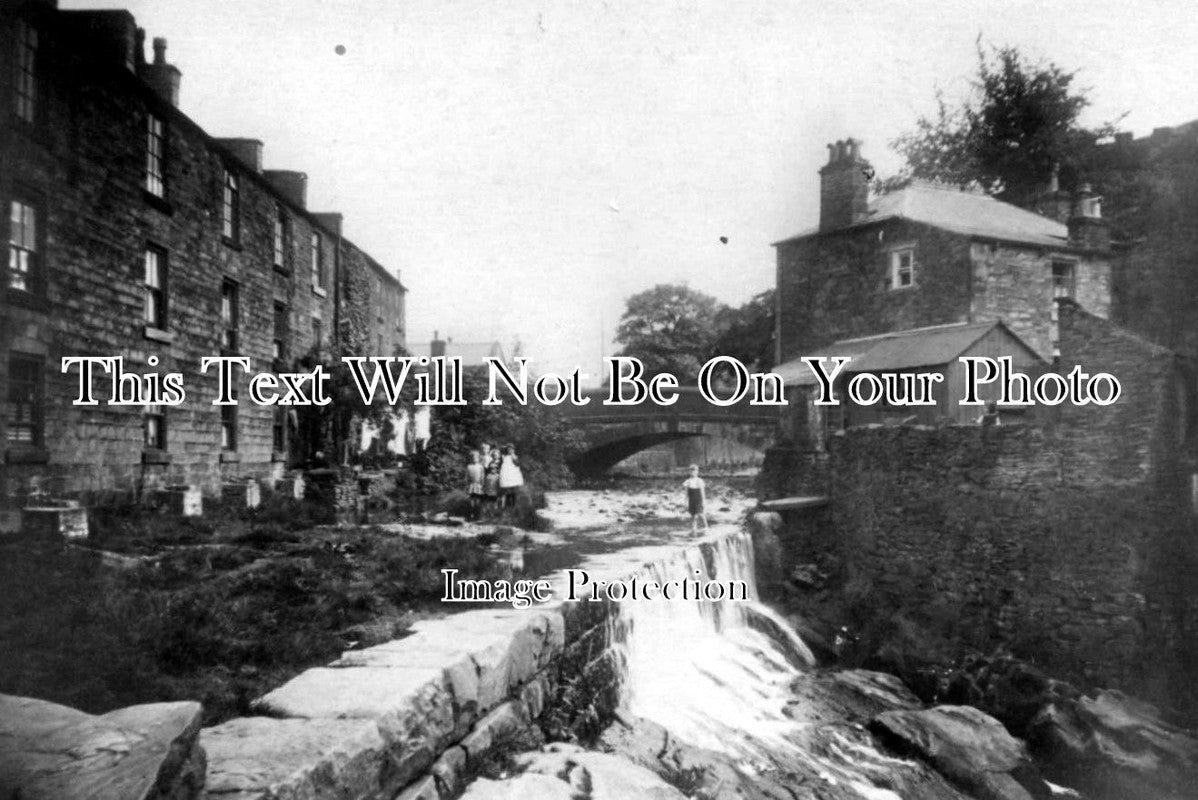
column 1112, row 745
column 867, row 693
column 521, row 787
column 52, row 752
column 970, row 748
column 599, row 776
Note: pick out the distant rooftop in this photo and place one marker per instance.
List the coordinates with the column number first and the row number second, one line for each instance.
column 964, row 212
column 471, row 353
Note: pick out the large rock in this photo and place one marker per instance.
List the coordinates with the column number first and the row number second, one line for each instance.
column 1114, row 746
column 970, row 748
column 254, row 758
column 597, row 775
column 52, row 752
column 521, row 787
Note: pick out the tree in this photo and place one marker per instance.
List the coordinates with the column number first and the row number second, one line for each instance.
column 670, row 328
column 747, row 333
column 1020, row 124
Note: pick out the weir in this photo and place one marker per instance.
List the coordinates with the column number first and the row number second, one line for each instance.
column 415, row 717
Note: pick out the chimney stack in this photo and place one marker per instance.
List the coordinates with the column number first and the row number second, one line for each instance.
column 1087, row 228
column 330, row 221
column 292, row 185
column 162, row 77
column 247, row 151
column 1052, row 202
column 843, row 186
column 436, row 347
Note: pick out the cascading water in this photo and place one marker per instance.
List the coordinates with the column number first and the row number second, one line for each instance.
column 706, row 672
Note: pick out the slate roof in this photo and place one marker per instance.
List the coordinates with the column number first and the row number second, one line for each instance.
column 891, row 352
column 967, row 213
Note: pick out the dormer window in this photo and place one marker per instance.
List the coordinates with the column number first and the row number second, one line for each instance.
column 902, row 268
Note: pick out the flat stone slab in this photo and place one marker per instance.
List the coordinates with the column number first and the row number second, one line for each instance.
column 792, row 503
column 413, row 708
column 52, row 752
column 293, row 759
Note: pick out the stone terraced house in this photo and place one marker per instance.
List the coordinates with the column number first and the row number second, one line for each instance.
column 133, row 232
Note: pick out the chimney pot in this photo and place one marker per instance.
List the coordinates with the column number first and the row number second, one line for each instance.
column 159, row 51
column 844, row 189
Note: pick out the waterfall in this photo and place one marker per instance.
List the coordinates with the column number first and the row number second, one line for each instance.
column 718, row 675
column 702, row 668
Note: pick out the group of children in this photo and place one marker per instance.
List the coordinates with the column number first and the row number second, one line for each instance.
column 493, row 478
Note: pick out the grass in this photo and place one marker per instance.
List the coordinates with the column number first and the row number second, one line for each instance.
column 219, row 611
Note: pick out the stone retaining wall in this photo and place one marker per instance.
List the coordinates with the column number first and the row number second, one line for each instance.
column 982, row 535
column 411, row 719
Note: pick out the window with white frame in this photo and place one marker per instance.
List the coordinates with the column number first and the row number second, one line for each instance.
column 155, row 155
column 22, row 246
column 280, row 237
column 902, row 268
column 230, row 208
column 1064, row 278
column 154, row 424
column 317, row 261
column 155, row 287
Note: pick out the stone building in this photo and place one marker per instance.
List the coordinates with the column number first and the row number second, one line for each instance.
column 928, row 256
column 931, row 255
column 133, row 232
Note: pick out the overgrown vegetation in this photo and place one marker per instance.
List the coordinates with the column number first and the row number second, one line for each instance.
column 211, row 612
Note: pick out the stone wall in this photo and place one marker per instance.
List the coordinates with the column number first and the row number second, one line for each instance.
column 990, row 536
column 834, row 286
column 415, row 717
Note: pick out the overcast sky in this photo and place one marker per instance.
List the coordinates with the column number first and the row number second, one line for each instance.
column 526, row 165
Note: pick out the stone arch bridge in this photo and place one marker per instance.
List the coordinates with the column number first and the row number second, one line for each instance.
column 614, row 433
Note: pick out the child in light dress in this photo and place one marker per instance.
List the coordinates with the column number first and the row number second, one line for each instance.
column 474, row 484
column 510, row 478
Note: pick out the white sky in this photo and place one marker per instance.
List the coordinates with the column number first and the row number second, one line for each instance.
column 527, row 165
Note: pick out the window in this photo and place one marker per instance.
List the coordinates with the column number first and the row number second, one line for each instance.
column 281, row 326
column 228, row 425
column 155, row 288
column 230, row 208
column 902, row 268
column 280, row 238
column 154, row 423
column 229, row 314
column 317, row 262
column 24, row 412
column 317, row 333
column 1064, row 279
column 25, row 72
column 155, row 155
column 22, row 246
